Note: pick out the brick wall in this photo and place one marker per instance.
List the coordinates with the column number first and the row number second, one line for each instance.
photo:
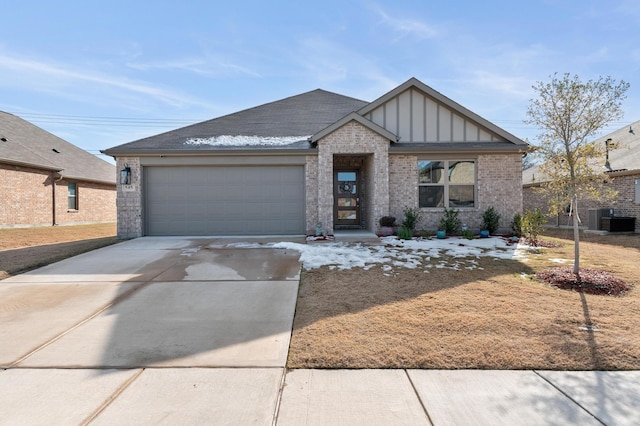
column 355, row 139
column 96, row 203
column 129, row 200
column 27, row 199
column 311, row 191
column 624, row 204
column 499, row 185
column 403, row 184
column 26, row 196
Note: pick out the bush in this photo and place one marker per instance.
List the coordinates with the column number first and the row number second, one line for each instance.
column 532, row 224
column 405, row 233
column 467, row 234
column 490, row 220
column 388, row 221
column 411, row 218
column 516, row 225
column 450, row 222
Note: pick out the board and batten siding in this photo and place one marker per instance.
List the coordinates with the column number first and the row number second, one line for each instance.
column 416, row 117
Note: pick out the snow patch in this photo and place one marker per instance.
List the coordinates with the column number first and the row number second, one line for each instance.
column 228, row 140
column 394, row 253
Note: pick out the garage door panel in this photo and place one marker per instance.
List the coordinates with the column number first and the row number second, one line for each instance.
column 255, row 200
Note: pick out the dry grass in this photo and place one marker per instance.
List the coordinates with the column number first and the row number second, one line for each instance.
column 24, row 249
column 490, row 319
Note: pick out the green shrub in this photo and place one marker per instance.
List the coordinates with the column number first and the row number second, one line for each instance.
column 411, row 218
column 450, row 222
column 516, row 225
column 490, row 220
column 405, row 233
column 467, row 234
column 532, row 223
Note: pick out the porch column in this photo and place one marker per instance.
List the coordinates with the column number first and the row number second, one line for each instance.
column 325, row 187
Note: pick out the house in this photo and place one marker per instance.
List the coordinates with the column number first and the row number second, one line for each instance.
column 320, row 159
column 45, row 180
column 622, row 166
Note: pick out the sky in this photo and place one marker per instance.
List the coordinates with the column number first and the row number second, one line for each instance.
column 100, row 74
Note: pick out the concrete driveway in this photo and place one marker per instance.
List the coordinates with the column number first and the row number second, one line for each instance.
column 153, row 302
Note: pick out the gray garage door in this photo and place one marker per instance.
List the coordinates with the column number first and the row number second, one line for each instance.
column 214, row 200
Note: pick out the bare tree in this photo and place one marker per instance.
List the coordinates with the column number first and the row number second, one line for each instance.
column 570, row 113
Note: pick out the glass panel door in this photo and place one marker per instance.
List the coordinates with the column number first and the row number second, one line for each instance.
column 346, row 198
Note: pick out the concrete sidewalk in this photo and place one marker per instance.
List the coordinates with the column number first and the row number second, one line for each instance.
column 193, row 331
column 265, row 396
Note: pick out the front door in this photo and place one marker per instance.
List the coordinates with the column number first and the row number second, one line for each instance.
column 346, row 189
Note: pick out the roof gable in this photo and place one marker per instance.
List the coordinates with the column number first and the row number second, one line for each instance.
column 28, row 145
column 347, row 119
column 419, row 114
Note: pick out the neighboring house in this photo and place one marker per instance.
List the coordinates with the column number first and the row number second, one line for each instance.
column 623, row 170
column 320, row 159
column 45, row 180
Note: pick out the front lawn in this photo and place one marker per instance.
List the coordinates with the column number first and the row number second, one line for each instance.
column 484, row 312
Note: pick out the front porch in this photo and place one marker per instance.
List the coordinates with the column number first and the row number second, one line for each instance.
column 352, row 179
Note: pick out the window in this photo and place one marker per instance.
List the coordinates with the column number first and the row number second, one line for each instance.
column 447, row 183
column 72, row 196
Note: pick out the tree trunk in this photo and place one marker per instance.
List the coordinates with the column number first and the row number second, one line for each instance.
column 576, row 237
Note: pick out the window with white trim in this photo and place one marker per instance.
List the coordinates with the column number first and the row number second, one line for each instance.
column 72, row 196
column 447, row 183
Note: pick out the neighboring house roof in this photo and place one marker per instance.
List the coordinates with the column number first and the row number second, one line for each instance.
column 25, row 144
column 624, row 159
column 297, row 117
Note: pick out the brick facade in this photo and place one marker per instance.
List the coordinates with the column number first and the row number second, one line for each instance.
column 403, row 184
column 355, row 140
column 129, row 200
column 311, row 193
column 28, row 197
column 390, row 182
column 499, row 185
column 625, row 204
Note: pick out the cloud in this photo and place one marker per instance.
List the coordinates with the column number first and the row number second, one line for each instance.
column 404, row 26
column 56, row 79
column 210, row 67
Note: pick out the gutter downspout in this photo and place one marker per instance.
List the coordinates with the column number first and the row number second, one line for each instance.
column 53, row 195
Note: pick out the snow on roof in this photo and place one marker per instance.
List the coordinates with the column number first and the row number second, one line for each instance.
column 228, row 140
column 451, row 253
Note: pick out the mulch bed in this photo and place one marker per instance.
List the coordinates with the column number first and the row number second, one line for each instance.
column 589, row 281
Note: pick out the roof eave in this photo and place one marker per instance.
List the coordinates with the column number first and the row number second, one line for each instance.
column 85, row 179
column 202, row 152
column 31, row 165
column 456, row 148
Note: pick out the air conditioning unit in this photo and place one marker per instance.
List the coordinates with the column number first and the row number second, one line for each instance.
column 595, row 224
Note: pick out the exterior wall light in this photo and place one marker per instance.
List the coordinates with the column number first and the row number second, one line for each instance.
column 125, row 175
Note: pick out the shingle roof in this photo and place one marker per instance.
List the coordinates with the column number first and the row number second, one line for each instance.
column 26, row 144
column 301, row 115
column 625, row 157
